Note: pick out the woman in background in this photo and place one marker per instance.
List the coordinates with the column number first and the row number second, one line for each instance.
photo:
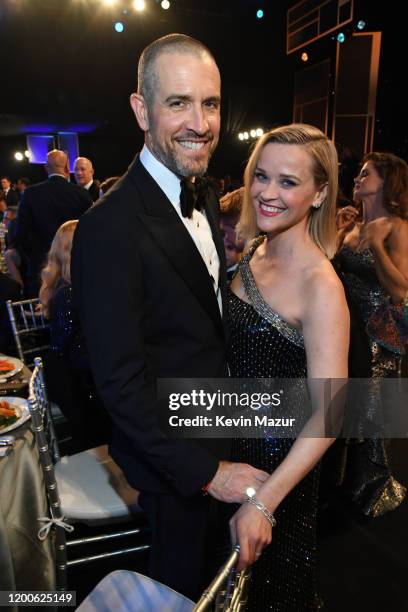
column 69, row 377
column 373, row 264
column 288, row 319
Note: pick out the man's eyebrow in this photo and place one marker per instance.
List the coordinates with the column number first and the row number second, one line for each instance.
column 174, row 97
column 186, row 98
column 213, row 99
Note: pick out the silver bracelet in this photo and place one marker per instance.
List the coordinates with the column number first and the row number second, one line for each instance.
column 262, row 508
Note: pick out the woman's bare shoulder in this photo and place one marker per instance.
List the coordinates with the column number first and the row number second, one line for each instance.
column 321, row 283
column 399, row 225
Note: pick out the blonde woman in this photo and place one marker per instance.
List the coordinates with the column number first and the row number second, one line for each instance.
column 69, row 377
column 288, row 319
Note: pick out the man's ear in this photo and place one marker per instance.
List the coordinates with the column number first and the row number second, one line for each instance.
column 138, row 104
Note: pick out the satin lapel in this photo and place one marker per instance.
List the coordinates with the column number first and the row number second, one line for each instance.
column 163, row 223
column 212, row 213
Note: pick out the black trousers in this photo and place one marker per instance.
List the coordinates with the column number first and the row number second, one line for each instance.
column 184, row 540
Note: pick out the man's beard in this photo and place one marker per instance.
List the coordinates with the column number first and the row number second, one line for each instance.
column 180, row 166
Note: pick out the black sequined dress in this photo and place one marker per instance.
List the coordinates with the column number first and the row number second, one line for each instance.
column 263, row 345
column 368, row 479
column 69, row 379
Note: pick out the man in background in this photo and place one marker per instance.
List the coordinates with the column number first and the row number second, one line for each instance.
column 43, row 208
column 10, row 194
column 22, row 183
column 84, row 176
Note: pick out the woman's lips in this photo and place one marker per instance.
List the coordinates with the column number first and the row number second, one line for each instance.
column 268, row 210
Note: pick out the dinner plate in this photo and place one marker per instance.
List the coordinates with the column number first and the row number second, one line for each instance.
column 18, row 366
column 22, row 408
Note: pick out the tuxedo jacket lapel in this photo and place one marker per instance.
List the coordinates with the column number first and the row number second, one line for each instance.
column 163, row 223
column 212, row 212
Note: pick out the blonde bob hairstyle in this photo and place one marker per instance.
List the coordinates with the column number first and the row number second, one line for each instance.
column 323, row 155
column 58, row 263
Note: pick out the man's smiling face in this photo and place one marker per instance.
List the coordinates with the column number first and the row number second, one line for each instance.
column 184, row 117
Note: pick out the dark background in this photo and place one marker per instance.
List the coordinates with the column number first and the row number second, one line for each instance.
column 63, row 67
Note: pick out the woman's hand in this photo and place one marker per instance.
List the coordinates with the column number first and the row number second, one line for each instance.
column 252, row 531
column 346, row 217
column 375, row 233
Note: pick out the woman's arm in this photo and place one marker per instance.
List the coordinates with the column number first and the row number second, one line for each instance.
column 326, row 334
column 391, row 265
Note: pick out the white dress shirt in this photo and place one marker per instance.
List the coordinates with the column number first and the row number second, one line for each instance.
column 198, row 226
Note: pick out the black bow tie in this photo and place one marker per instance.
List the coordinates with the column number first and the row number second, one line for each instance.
column 192, row 195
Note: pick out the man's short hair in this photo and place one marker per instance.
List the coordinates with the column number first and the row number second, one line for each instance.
column 172, row 43
column 26, row 181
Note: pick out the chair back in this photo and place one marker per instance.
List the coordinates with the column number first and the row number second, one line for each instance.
column 228, row 591
column 49, row 453
column 30, row 329
column 38, row 391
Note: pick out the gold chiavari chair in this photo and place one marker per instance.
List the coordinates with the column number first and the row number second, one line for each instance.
column 122, row 590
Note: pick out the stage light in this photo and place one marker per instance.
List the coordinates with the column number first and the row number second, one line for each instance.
column 27, row 154
column 246, row 135
column 139, row 5
column 253, row 133
column 165, row 4
column 259, row 13
column 241, row 136
column 341, row 37
column 361, row 25
column 259, row 132
column 18, row 156
column 119, row 27
column 304, row 57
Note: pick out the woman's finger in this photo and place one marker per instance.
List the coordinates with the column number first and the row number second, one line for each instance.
column 244, row 554
column 233, row 531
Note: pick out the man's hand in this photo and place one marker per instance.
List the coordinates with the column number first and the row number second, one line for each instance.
column 233, row 479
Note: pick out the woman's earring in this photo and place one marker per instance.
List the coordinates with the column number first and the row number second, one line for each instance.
column 317, row 205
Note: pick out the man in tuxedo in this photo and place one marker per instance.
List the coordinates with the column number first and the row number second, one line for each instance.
column 10, row 194
column 84, row 176
column 159, row 313
column 43, row 208
column 22, row 183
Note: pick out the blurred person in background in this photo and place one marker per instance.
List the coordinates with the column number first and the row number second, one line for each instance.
column 43, row 208
column 69, row 379
column 10, row 194
column 84, row 176
column 231, row 205
column 372, row 261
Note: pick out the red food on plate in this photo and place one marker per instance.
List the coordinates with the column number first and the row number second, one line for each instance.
column 8, row 414
column 6, row 366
